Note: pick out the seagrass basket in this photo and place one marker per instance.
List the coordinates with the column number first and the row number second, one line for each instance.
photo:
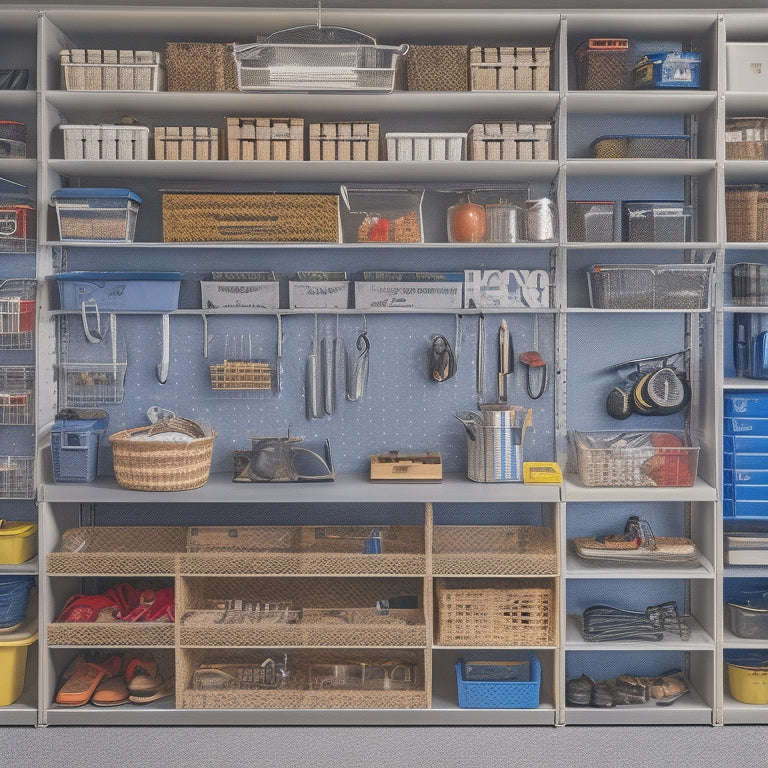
column 157, row 465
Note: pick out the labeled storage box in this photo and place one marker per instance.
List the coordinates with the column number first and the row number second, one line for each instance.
column 602, row 64
column 13, row 139
column 635, row 459
column 200, row 67
column 300, row 60
column 668, row 69
column 746, row 66
column 381, row 215
column 104, row 213
column 75, row 444
column 110, row 70
column 411, row 294
column 18, row 542
column 749, row 284
column 510, row 141
column 509, row 68
column 105, row 142
column 746, row 138
column 120, row 291
column 344, row 141
column 426, row 146
column 261, row 294
column 438, row 68
column 190, row 217
column 590, row 221
column 656, row 222
column 650, row 286
column 265, row 138
column 318, row 294
column 14, row 649
column 746, row 213
column 648, row 145
column 187, row 142
column 489, row 288
column 498, row 680
column 472, row 612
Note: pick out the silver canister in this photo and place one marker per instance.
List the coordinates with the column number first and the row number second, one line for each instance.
column 541, row 219
column 505, row 223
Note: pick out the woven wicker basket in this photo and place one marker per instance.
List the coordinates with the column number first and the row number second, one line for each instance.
column 155, row 465
column 746, row 213
column 746, row 138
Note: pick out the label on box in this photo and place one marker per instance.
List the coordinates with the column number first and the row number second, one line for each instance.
column 319, row 294
column 408, row 294
column 489, row 288
column 228, row 294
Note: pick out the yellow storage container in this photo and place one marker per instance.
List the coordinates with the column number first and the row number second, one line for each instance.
column 13, row 656
column 18, row 542
column 748, row 684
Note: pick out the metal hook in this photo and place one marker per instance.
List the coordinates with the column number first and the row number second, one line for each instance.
column 534, row 360
column 163, row 366
column 359, row 376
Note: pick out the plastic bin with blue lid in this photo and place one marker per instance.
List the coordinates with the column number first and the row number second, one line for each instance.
column 499, row 680
column 120, row 291
column 75, row 444
column 104, row 214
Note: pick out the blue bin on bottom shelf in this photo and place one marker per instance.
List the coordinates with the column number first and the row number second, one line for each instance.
column 14, row 598
column 518, row 688
column 75, row 444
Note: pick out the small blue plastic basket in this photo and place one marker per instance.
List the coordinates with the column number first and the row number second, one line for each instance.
column 519, row 693
column 14, row 597
column 75, row 444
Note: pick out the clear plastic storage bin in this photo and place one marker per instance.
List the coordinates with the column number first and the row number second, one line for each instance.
column 103, row 214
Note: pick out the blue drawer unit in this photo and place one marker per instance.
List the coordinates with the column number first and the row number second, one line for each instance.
column 745, row 425
column 748, row 405
column 745, row 443
column 745, row 477
column 744, row 509
column 733, row 460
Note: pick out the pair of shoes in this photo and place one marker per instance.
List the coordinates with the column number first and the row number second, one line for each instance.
column 668, row 688
column 584, row 691
column 121, row 602
column 82, row 678
column 138, row 682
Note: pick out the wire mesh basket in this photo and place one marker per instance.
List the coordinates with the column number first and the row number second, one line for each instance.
column 239, row 374
column 17, row 313
column 317, row 58
column 17, row 383
column 17, row 477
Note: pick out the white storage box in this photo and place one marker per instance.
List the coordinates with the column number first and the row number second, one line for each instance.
column 489, row 288
column 426, row 146
column 318, row 294
column 407, row 294
column 260, row 294
column 746, row 66
column 105, row 142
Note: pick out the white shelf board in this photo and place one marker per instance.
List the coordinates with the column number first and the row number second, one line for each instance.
column 700, row 640
column 746, row 171
column 733, row 641
column 579, row 568
column 575, row 490
column 638, row 167
column 634, row 102
column 346, row 488
column 737, row 713
column 738, row 383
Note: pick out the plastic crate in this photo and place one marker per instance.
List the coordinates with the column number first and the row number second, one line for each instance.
column 101, row 214
column 75, row 445
column 120, row 291
column 18, row 542
column 656, row 221
column 520, row 692
column 105, row 142
column 650, row 286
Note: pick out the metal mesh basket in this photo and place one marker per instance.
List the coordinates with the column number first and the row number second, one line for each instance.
column 316, row 58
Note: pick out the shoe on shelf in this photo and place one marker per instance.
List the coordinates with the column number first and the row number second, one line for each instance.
column 82, row 677
column 141, row 674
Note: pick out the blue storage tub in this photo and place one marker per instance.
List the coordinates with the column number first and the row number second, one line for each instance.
column 668, row 69
column 75, row 444
column 14, row 598
column 518, row 690
column 104, row 214
column 744, row 509
column 120, row 291
column 745, row 477
column 754, row 404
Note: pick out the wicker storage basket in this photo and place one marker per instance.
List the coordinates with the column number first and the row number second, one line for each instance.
column 509, row 68
column 105, row 142
column 509, row 141
column 109, row 70
column 157, row 465
column 200, row 67
column 344, row 141
column 438, row 68
column 602, row 64
column 472, row 612
column 746, row 213
column 746, row 138
column 265, row 138
column 190, row 217
column 187, row 142
column 664, row 146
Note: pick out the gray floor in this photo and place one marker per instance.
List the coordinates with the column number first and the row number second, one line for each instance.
column 573, row 746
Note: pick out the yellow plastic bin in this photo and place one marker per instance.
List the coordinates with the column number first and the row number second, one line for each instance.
column 13, row 656
column 18, row 542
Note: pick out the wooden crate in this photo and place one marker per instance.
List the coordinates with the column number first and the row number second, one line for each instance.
column 265, row 138
column 187, row 142
column 105, row 142
column 510, row 141
column 344, row 141
column 509, row 68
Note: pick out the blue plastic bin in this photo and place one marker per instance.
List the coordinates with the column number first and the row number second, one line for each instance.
column 14, row 598
column 120, row 291
column 75, row 444
column 518, row 690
